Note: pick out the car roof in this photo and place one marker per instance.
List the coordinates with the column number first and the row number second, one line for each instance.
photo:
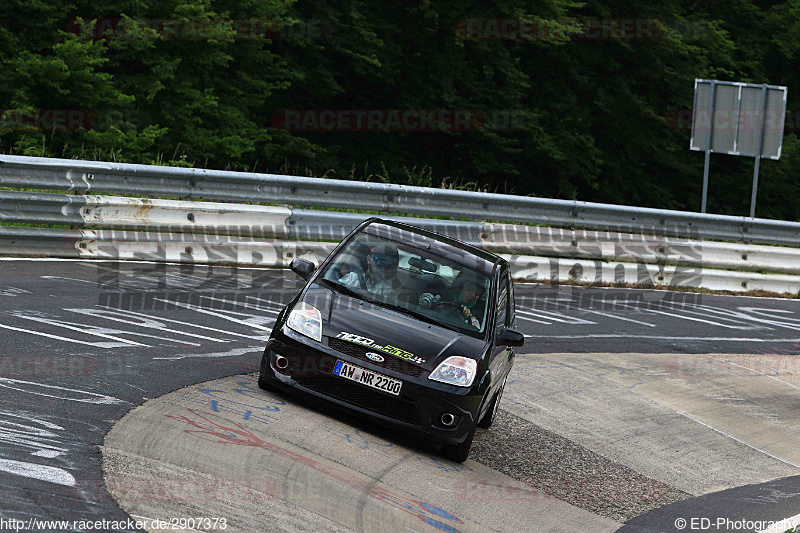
column 455, row 249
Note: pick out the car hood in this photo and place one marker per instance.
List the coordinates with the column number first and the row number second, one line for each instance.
column 391, row 333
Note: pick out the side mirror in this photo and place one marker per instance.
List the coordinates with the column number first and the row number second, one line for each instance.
column 303, row 267
column 511, row 337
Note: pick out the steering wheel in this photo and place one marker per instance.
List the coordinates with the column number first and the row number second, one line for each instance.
column 456, row 307
column 452, row 305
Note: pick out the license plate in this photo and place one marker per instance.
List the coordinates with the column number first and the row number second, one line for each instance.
column 368, row 378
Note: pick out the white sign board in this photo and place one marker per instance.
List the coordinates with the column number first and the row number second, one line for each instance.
column 738, row 118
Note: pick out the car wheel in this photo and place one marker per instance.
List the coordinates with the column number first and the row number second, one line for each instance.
column 263, row 372
column 488, row 418
column 458, row 453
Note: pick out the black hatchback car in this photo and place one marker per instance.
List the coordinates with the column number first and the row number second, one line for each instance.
column 404, row 325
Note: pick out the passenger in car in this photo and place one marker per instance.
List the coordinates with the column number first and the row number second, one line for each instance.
column 349, row 271
column 381, row 276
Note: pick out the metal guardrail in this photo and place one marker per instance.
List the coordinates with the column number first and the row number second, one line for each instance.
column 115, row 227
column 95, row 211
column 174, row 216
column 39, row 242
column 160, row 247
column 229, row 250
column 116, row 178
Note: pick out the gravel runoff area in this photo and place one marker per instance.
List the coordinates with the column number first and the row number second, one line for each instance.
column 562, row 469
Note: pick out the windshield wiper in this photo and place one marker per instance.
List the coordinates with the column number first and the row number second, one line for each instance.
column 420, row 316
column 342, row 288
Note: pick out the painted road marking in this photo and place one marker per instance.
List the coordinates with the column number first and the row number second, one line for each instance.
column 35, row 434
column 50, row 474
column 190, row 324
column 727, row 314
column 684, row 317
column 77, row 327
column 783, row 525
column 230, row 353
column 50, row 391
column 756, row 371
column 532, row 319
column 554, row 316
column 147, row 323
column 775, row 322
column 65, row 339
column 69, row 279
column 737, row 440
column 103, row 331
column 219, row 315
column 621, row 318
column 240, row 304
column 13, row 291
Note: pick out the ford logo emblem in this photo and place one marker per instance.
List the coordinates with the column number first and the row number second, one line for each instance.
column 375, row 357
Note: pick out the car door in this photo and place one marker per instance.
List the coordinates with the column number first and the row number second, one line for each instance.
column 500, row 352
column 512, row 320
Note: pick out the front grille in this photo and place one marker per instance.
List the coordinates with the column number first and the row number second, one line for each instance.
column 389, row 361
column 360, row 396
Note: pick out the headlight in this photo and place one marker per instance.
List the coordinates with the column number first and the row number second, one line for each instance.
column 456, row 370
column 306, row 320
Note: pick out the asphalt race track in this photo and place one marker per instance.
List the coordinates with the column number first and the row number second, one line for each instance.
column 129, row 389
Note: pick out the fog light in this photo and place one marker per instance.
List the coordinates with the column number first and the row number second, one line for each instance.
column 281, row 362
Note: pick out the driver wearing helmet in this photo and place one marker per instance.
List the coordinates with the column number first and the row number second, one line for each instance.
column 381, row 269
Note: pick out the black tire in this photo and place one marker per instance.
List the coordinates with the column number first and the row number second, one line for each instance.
column 458, row 453
column 263, row 372
column 491, row 414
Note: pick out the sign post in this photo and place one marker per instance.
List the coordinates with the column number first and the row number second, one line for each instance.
column 737, row 119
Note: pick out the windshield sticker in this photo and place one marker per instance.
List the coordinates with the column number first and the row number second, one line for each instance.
column 369, row 343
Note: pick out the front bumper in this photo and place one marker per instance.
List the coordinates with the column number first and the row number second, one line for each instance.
column 419, row 407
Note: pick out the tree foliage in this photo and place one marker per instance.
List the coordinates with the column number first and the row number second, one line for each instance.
column 591, row 101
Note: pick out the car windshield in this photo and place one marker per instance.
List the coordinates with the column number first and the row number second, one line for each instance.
column 399, row 275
